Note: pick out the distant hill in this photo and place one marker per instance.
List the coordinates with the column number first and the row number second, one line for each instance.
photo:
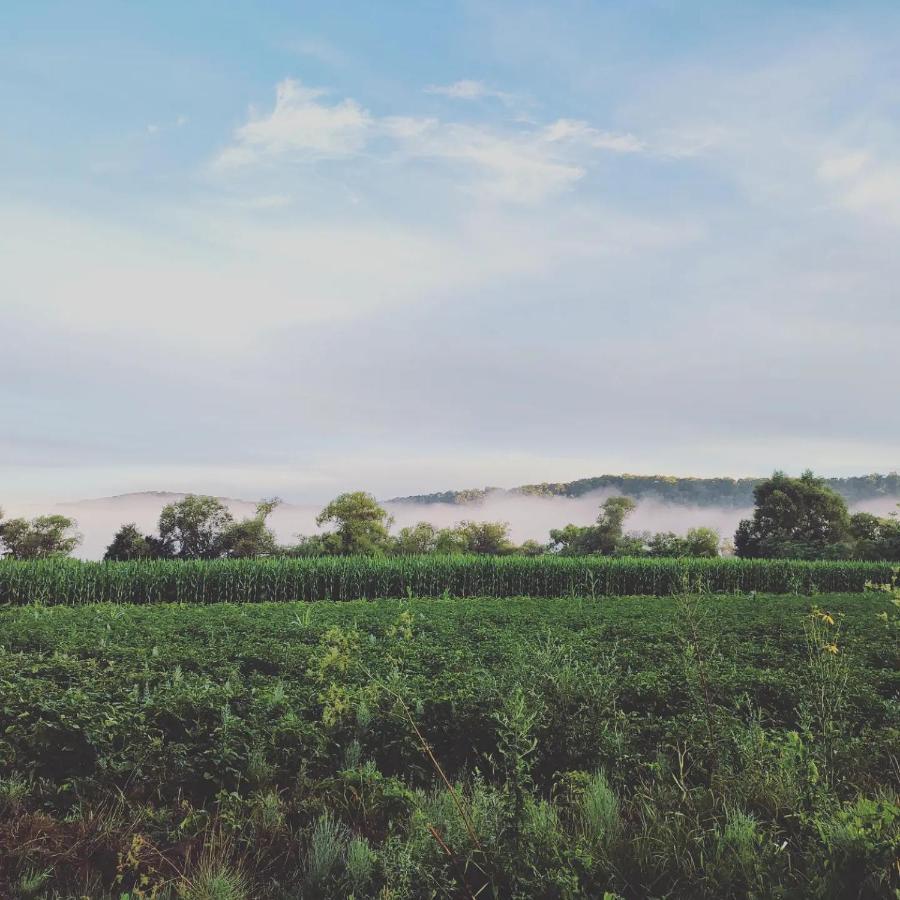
column 722, row 492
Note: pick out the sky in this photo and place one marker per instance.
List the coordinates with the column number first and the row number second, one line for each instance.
column 300, row 248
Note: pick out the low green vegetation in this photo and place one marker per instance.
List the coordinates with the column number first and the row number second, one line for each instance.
column 691, row 746
column 67, row 581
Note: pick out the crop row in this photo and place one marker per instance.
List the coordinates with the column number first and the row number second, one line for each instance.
column 64, row 581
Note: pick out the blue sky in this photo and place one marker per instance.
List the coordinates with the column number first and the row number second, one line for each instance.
column 300, row 248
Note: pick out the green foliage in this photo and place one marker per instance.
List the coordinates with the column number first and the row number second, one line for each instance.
column 185, row 750
column 875, row 537
column 251, row 537
column 214, row 880
column 416, row 539
column 796, row 518
column 129, row 543
column 599, row 817
column 40, row 538
column 483, row 538
column 604, row 537
column 192, row 528
column 698, row 542
column 361, row 525
column 326, row 847
column 455, row 575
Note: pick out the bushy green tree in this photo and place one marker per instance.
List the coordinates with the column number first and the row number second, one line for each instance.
column 703, row 542
column 604, row 537
column 314, row 545
column 487, row 538
column 251, row 537
column 698, row 542
column 130, row 543
column 415, row 539
column 38, row 538
column 451, row 540
column 193, row 527
column 531, row 548
column 876, row 538
column 800, row 518
column 361, row 525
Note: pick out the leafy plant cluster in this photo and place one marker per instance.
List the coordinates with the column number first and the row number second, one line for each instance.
column 67, row 581
column 622, row 747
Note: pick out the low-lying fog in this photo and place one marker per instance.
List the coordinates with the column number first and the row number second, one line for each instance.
column 528, row 517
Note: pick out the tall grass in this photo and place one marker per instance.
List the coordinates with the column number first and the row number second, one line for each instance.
column 66, row 581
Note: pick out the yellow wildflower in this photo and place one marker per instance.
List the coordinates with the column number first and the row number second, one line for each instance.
column 831, row 648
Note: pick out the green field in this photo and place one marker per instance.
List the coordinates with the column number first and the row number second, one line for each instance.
column 686, row 746
column 367, row 577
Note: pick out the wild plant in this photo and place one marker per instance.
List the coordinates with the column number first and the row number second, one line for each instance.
column 215, row 880
column 359, row 863
column 699, row 657
column 326, row 848
column 14, row 790
column 599, row 819
column 827, row 675
column 32, row 881
column 739, row 859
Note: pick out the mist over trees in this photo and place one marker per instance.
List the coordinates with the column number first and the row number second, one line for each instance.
column 733, row 493
column 798, row 518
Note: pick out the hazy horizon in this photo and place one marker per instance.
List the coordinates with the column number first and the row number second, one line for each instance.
column 529, row 517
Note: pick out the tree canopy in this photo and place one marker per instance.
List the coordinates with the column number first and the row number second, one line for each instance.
column 361, row 525
column 130, row 543
column 251, row 537
column 192, row 528
column 38, row 538
column 604, row 537
column 799, row 518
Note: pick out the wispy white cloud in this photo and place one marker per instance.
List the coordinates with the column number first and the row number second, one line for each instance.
column 577, row 131
column 520, row 163
column 468, row 89
column 864, row 185
column 518, row 167
column 300, row 126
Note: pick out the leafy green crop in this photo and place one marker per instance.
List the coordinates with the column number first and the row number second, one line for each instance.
column 367, row 577
column 687, row 746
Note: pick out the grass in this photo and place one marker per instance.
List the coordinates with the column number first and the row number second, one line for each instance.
column 695, row 746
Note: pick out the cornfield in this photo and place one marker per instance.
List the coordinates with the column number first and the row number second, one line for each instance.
column 66, row 581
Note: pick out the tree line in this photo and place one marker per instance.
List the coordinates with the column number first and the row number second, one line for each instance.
column 797, row 518
column 733, row 493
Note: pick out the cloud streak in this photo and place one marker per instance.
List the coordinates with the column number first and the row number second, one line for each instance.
column 521, row 164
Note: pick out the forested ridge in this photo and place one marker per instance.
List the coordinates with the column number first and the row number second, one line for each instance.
column 728, row 492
